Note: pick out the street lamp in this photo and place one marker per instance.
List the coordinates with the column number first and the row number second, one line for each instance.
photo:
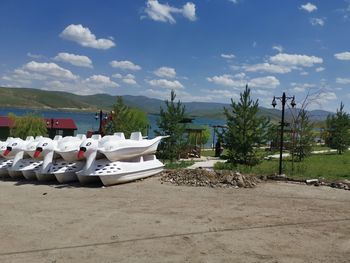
column 52, row 122
column 283, row 99
column 101, row 118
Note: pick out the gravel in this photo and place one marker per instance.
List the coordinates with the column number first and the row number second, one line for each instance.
column 205, row 178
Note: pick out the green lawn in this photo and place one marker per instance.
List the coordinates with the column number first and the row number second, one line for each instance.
column 177, row 165
column 326, row 166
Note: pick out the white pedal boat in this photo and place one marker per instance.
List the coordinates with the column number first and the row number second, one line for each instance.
column 5, row 163
column 23, row 162
column 46, row 149
column 65, row 169
column 117, row 148
column 119, row 172
column 117, row 169
column 16, row 149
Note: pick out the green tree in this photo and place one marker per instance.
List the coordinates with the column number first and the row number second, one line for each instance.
column 126, row 120
column 27, row 125
column 338, row 126
column 246, row 130
column 169, row 123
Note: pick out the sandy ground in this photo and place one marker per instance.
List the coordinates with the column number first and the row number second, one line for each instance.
column 151, row 222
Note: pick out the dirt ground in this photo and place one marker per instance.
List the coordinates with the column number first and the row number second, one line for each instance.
column 148, row 221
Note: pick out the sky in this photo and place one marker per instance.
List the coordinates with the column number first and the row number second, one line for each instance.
column 206, row 50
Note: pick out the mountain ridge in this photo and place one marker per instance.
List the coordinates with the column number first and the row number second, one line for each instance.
column 60, row 100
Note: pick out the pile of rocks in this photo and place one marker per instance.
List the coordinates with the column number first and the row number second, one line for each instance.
column 201, row 177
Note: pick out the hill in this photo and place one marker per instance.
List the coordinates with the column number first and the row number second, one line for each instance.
column 58, row 100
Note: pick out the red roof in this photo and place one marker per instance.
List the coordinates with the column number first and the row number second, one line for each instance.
column 56, row 123
column 5, row 121
column 60, row 123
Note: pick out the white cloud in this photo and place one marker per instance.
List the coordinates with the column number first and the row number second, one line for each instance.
column 301, row 87
column 322, row 98
column 228, row 56
column 84, row 37
column 343, row 81
column 309, row 7
column 164, row 83
column 76, row 60
column 227, row 80
column 125, row 65
column 317, row 21
column 165, row 72
column 127, row 79
column 295, row 60
column 189, row 11
column 269, row 82
column 100, row 81
column 342, row 55
column 278, row 48
column 238, row 81
column 49, row 69
column 267, row 67
column 36, row 56
column 164, row 12
column 234, row 1
column 304, row 73
column 319, row 69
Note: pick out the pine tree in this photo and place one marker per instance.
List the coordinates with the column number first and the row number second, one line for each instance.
column 246, row 130
column 169, row 123
column 338, row 126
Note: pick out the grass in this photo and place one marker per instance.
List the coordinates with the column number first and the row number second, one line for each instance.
column 178, row 165
column 322, row 166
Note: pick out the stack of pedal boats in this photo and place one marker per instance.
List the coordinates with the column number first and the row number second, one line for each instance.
column 111, row 159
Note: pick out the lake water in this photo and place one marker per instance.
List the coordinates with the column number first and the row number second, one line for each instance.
column 86, row 121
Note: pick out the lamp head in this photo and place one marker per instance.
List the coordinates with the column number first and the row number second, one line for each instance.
column 293, row 104
column 274, row 103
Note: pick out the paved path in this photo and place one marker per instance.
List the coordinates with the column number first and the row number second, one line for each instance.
column 208, row 164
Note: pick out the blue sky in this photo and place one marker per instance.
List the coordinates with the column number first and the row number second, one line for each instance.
column 207, row 50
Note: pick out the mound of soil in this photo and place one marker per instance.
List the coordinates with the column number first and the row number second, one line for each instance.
column 201, row 177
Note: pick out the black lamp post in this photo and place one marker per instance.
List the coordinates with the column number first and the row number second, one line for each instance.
column 101, row 118
column 51, row 127
column 283, row 99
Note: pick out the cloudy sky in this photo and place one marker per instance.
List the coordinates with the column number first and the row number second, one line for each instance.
column 206, row 50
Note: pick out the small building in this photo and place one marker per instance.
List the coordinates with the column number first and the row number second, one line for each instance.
column 5, row 124
column 64, row 127
column 55, row 126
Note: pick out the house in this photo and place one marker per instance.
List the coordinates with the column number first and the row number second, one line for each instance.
column 64, row 127
column 55, row 126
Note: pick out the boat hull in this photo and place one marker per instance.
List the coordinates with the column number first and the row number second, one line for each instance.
column 15, row 174
column 45, row 176
column 67, row 177
column 109, row 180
column 65, row 171
column 29, row 175
column 126, row 152
column 5, row 164
column 83, row 179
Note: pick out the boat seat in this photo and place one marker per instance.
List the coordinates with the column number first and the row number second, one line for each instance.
column 29, row 138
column 136, row 136
column 96, row 137
column 81, row 136
column 57, row 137
column 119, row 135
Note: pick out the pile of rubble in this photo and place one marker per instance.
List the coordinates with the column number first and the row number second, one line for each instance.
column 201, row 177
